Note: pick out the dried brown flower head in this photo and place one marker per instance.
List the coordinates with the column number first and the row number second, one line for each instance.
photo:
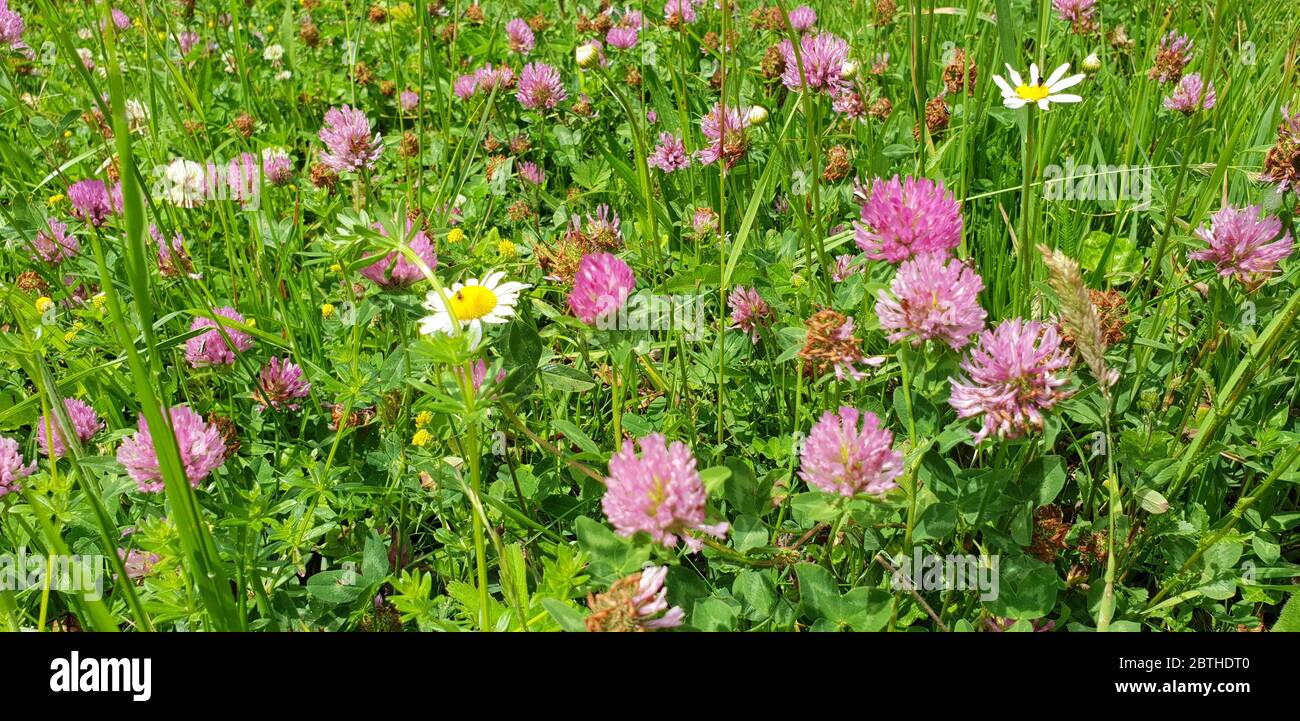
column 322, row 177
column 837, row 164
column 830, row 346
column 410, row 145
column 960, row 72
column 229, row 433
column 882, row 12
column 243, row 124
column 309, row 33
column 936, row 118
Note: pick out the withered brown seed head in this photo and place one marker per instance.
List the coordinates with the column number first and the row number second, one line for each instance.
column 837, row 164
column 614, row 610
column 936, row 118
column 827, row 345
column 519, row 211
column 243, row 124
column 363, row 74
column 410, row 146
column 30, row 281
column 959, row 70
column 881, row 109
column 229, row 433
column 309, row 33
column 883, row 12
column 322, row 177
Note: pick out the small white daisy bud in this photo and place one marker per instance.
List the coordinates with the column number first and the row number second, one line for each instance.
column 586, row 55
column 1091, row 64
column 757, row 115
column 849, row 69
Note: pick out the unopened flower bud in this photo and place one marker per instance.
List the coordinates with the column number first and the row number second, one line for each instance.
column 1091, row 64
column 849, row 69
column 757, row 115
column 586, row 55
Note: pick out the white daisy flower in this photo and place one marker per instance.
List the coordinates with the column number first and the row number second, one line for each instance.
column 1018, row 93
column 474, row 304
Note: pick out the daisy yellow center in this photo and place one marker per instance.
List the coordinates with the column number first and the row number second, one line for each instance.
column 1032, row 93
column 473, row 302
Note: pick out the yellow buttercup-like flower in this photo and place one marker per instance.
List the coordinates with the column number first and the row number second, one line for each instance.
column 326, row 310
column 424, row 418
column 56, row 199
column 43, row 304
column 421, row 438
column 456, row 235
column 506, row 248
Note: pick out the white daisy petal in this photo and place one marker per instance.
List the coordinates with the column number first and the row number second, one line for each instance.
column 1043, row 104
column 1016, row 80
column 1066, row 83
column 1065, row 98
column 1033, row 73
column 1057, row 74
column 1015, row 102
column 1006, row 89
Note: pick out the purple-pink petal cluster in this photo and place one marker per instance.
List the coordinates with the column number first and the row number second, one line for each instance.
column 1013, row 374
column 902, row 219
column 669, row 154
column 395, row 270
column 600, row 287
column 1243, row 242
column 659, row 493
column 821, row 56
column 539, row 87
column 211, row 348
column 280, row 385
column 348, row 142
column 932, row 296
column 848, row 453
column 85, row 424
column 201, row 445
column 12, row 468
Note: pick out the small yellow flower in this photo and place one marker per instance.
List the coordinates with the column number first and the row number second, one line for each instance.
column 66, row 134
column 421, row 438
column 99, row 300
column 796, row 281
column 456, row 235
column 251, row 322
column 69, row 336
column 270, row 28
column 326, row 310
column 336, row 268
column 43, row 304
column 506, row 249
column 423, row 419
column 56, row 199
